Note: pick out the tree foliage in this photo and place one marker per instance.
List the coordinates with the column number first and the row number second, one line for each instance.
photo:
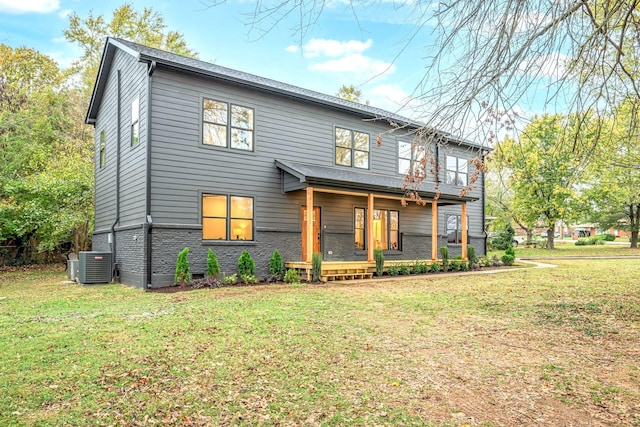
column 146, row 27
column 350, row 93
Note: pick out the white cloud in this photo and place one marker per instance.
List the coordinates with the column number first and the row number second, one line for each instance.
column 28, row 6
column 355, row 63
column 64, row 14
column 334, row 48
column 552, row 65
column 392, row 97
column 293, row 48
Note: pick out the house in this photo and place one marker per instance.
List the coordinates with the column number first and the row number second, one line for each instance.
column 192, row 154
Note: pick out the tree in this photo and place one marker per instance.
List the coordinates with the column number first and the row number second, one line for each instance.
column 490, row 55
column 614, row 192
column 545, row 171
column 350, row 93
column 146, row 27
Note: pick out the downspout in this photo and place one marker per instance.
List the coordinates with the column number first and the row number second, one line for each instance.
column 484, row 231
column 148, row 218
column 117, row 220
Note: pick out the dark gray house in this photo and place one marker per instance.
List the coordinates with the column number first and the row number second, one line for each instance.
column 193, row 154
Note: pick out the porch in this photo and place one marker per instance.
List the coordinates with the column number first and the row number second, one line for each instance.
column 347, row 270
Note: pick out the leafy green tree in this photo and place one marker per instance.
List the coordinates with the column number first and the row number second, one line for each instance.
column 546, row 165
column 350, row 93
column 145, row 27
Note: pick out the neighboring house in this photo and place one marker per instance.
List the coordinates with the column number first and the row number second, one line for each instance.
column 193, row 154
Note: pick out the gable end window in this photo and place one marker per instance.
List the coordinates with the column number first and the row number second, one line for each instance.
column 352, row 148
column 103, row 150
column 227, row 217
column 227, row 125
column 135, row 122
column 386, row 234
column 456, row 171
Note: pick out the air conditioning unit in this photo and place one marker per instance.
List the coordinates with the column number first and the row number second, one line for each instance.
column 95, row 267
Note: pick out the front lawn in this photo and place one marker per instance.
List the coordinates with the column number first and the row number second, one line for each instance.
column 570, row 249
column 547, row 346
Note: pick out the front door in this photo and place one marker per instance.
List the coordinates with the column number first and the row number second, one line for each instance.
column 316, row 230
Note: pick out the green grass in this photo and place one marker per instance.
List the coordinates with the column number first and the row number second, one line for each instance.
column 558, row 344
column 570, row 249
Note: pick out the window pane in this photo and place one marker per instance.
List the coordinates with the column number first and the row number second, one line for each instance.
column 215, row 112
column 361, row 159
column 361, row 141
column 213, row 205
column 102, row 149
column 462, row 165
column 462, row 179
column 214, row 228
column 359, row 221
column 403, row 165
column 241, row 229
column 242, row 139
column 241, row 207
column 394, row 244
column 343, row 156
column 393, row 217
column 135, row 110
column 380, row 229
column 452, row 222
column 451, row 177
column 452, row 236
column 242, row 117
column 451, row 163
column 343, row 138
column 135, row 134
column 404, row 150
column 214, row 135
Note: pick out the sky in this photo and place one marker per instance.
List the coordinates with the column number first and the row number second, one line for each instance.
column 347, row 47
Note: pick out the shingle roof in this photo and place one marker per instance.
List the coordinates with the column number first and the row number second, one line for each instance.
column 353, row 180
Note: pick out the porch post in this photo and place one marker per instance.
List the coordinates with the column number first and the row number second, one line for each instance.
column 464, row 230
column 370, row 229
column 309, row 229
column 434, row 230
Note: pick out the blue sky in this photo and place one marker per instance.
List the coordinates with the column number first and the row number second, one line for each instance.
column 337, row 50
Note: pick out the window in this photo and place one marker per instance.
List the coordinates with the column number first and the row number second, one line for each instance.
column 103, row 154
column 409, row 157
column 454, row 229
column 225, row 126
column 227, row 217
column 352, row 148
column 135, row 122
column 456, row 171
column 386, row 234
column 360, row 219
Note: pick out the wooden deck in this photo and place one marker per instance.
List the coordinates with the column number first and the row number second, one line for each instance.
column 346, row 270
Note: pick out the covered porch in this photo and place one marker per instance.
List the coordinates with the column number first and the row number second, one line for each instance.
column 368, row 189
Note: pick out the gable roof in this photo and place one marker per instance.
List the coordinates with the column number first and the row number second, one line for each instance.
column 191, row 65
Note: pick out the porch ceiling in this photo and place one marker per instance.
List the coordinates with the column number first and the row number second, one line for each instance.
column 337, row 178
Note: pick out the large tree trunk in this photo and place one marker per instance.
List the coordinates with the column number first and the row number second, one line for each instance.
column 634, row 217
column 634, row 239
column 552, row 227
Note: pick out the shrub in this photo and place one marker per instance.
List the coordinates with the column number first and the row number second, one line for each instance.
column 416, row 268
column 508, row 259
column 485, row 261
column 435, row 267
column 291, row 276
column 596, row 240
column 316, row 266
column 246, row 266
column 463, row 266
column 213, row 267
column 444, row 254
column 404, row 270
column 183, row 273
column 393, row 270
column 510, row 251
column 504, row 238
column 424, row 267
column 378, row 255
column 230, row 280
column 582, row 242
column 250, row 279
column 609, row 237
column 275, row 264
column 471, row 256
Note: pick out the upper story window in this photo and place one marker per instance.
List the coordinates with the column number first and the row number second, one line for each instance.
column 135, row 122
column 227, row 217
column 409, row 157
column 227, row 125
column 103, row 149
column 352, row 148
column 456, row 171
